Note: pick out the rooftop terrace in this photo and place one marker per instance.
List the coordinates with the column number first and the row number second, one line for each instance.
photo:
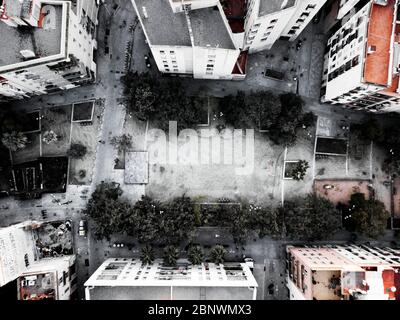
column 43, row 41
column 272, row 6
column 380, row 30
column 162, row 25
column 209, row 29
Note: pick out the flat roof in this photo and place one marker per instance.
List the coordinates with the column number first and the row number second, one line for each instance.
column 43, row 41
column 209, row 28
column 17, row 8
column 127, row 272
column 272, row 6
column 162, row 25
column 380, row 30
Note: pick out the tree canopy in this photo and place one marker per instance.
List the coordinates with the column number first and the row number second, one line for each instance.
column 369, row 217
column 311, row 218
column 149, row 98
column 280, row 115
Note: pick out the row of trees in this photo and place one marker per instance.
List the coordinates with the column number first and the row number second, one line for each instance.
column 149, row 221
column 149, row 98
column 280, row 115
column 171, row 254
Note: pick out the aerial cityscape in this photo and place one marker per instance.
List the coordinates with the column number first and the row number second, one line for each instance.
column 230, row 150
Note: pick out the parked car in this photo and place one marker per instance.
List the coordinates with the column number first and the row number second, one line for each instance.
column 82, row 228
column 250, row 262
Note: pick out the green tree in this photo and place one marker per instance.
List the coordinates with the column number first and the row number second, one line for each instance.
column 160, row 101
column 77, row 151
column 299, row 171
column 14, row 140
column 310, row 218
column 196, row 255
column 147, row 254
column 178, row 219
column 107, row 210
column 369, row 216
column 145, row 221
column 283, row 131
column 49, row 137
column 122, row 142
column 233, row 110
column 370, row 130
column 141, row 94
column 265, row 221
column 218, row 254
column 171, row 256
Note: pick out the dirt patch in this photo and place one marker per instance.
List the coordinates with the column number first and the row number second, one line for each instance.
column 341, row 190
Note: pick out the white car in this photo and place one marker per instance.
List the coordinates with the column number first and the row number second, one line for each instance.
column 82, row 228
column 250, row 263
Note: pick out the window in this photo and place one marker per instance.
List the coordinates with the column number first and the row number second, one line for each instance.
column 26, row 258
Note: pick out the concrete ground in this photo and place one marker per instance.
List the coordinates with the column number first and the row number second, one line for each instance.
column 195, row 174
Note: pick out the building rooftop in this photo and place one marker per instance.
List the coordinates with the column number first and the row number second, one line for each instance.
column 377, row 64
column 17, row 251
column 43, row 41
column 41, row 286
column 162, row 25
column 17, row 8
column 272, row 6
column 130, row 279
column 209, row 29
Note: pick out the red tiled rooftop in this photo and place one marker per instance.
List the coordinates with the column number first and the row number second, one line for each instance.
column 234, row 8
column 389, row 282
column 237, row 26
column 240, row 66
column 376, row 68
column 392, row 90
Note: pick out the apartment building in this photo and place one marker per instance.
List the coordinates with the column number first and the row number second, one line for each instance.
column 17, row 251
column 38, row 277
column 345, row 6
column 270, row 20
column 190, row 38
column 343, row 273
column 362, row 60
column 124, row 278
column 49, row 279
column 48, row 46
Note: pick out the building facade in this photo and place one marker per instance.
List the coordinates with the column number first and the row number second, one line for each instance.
column 50, row 46
column 38, row 278
column 343, row 273
column 123, row 278
column 268, row 21
column 362, row 59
